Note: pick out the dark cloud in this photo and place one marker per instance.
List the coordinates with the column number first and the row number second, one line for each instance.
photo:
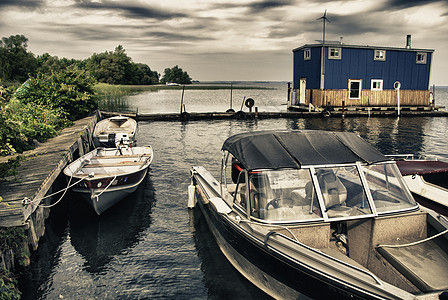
column 29, row 4
column 403, row 4
column 255, row 7
column 170, row 36
column 266, row 5
column 134, row 10
column 354, row 24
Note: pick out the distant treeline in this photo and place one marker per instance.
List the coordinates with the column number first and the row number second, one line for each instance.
column 17, row 64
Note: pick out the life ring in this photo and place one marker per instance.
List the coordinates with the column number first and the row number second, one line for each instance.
column 240, row 115
column 249, row 102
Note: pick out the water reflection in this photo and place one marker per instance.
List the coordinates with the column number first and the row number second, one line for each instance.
column 99, row 238
column 388, row 135
column 221, row 279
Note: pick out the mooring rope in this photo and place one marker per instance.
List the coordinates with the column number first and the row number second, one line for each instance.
column 110, row 183
column 36, row 201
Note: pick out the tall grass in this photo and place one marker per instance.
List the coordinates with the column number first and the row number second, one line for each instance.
column 111, row 97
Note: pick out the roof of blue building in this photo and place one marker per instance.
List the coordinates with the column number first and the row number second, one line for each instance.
column 338, row 45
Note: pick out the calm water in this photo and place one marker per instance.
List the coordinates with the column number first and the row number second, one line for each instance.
column 150, row 245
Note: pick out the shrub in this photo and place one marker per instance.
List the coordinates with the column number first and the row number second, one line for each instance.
column 69, row 92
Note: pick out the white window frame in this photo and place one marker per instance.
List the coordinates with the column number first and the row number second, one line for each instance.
column 334, row 53
column 378, row 83
column 379, row 55
column 420, row 57
column 307, row 54
column 350, row 88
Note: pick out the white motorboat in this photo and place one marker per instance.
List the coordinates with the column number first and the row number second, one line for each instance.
column 107, row 175
column 427, row 178
column 109, row 131
column 321, row 214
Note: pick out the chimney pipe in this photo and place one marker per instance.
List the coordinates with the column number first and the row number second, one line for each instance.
column 408, row 41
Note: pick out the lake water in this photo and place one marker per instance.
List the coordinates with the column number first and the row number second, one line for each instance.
column 150, row 245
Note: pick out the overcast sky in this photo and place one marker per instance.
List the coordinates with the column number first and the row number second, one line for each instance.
column 224, row 40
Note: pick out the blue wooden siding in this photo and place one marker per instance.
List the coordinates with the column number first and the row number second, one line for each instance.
column 359, row 63
column 309, row 69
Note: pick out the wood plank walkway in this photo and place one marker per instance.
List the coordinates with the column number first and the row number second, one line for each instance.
column 281, row 112
column 37, row 172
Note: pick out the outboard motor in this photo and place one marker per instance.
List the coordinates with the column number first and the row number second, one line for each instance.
column 111, row 139
column 122, row 139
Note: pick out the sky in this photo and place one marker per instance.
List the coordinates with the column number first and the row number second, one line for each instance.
column 228, row 40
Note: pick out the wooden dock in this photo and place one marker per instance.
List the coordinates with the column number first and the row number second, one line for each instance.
column 35, row 176
column 281, row 112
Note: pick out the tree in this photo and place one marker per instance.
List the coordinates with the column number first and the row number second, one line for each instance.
column 16, row 64
column 175, row 75
column 117, row 68
column 69, row 92
column 47, row 64
column 144, row 75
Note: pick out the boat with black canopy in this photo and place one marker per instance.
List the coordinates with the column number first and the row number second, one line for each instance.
column 321, row 214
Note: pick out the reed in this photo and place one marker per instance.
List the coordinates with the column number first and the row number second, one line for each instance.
column 103, row 89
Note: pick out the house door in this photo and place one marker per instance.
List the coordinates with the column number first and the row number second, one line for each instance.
column 354, row 88
column 302, row 91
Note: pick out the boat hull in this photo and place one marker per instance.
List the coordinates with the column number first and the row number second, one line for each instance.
column 101, row 199
column 105, row 176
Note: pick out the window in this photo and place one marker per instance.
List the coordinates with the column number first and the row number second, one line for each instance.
column 376, row 85
column 380, row 55
column 354, row 89
column 334, row 53
column 421, row 58
column 307, row 54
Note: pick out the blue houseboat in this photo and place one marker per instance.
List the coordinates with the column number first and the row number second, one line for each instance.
column 363, row 76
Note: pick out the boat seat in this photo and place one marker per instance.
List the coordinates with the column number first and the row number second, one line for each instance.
column 120, row 164
column 334, row 194
column 425, row 264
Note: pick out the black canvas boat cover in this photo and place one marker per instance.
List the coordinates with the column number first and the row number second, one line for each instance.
column 294, row 149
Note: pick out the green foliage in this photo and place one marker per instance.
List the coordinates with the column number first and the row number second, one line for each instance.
column 8, row 286
column 9, row 169
column 12, row 239
column 117, row 68
column 48, row 64
column 15, row 61
column 69, row 93
column 175, row 75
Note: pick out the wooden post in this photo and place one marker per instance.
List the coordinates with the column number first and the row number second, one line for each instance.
column 182, row 100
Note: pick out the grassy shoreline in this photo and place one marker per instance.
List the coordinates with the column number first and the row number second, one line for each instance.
column 103, row 89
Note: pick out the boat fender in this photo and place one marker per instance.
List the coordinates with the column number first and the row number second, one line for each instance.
column 240, row 115
column 191, row 196
column 326, row 113
column 185, row 116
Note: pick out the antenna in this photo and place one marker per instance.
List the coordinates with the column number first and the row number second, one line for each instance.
column 324, row 19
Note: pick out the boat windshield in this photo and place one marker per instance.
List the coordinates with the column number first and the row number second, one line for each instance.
column 387, row 188
column 295, row 195
column 343, row 193
column 284, row 195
